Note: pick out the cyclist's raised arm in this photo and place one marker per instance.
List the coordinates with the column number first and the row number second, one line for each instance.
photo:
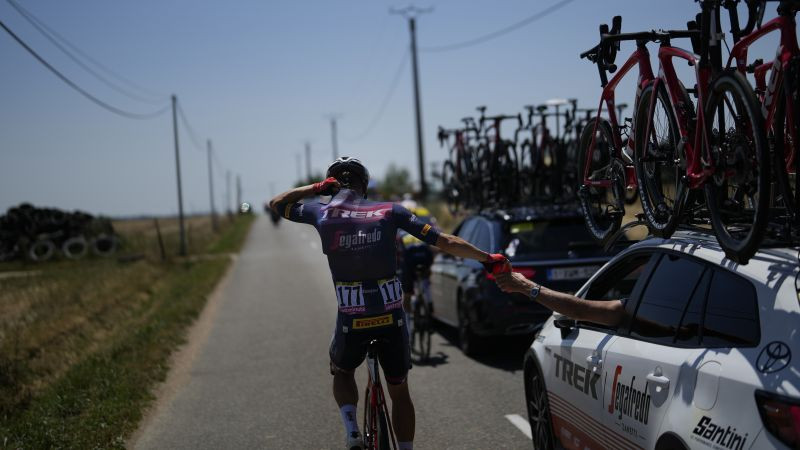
column 286, row 204
column 281, row 201
column 609, row 313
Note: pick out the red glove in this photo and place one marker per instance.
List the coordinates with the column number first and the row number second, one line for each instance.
column 497, row 264
column 327, row 186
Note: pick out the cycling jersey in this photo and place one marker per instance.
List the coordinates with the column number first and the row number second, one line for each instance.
column 358, row 237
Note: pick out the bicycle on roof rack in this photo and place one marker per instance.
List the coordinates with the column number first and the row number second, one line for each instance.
column 605, row 161
column 779, row 97
column 498, row 160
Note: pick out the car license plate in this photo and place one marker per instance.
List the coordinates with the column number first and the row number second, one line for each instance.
column 571, row 273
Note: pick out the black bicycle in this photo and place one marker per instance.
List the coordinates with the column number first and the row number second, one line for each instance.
column 422, row 318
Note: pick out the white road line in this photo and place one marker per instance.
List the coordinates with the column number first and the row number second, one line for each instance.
column 519, row 422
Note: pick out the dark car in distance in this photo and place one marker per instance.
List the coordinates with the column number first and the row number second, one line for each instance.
column 548, row 244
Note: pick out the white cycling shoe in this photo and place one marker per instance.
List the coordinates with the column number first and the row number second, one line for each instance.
column 354, row 441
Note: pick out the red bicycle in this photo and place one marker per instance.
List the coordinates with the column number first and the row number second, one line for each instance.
column 605, row 170
column 778, row 96
column 719, row 145
column 378, row 432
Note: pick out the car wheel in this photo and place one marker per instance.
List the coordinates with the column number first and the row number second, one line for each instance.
column 670, row 441
column 467, row 340
column 538, row 407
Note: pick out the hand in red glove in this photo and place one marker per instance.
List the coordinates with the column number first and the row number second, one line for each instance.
column 497, row 264
column 327, row 186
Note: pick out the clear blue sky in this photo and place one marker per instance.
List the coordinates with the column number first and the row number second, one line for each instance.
column 257, row 77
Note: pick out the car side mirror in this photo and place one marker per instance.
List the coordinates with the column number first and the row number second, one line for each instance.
column 566, row 325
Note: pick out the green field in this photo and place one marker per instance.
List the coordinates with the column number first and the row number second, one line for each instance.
column 83, row 344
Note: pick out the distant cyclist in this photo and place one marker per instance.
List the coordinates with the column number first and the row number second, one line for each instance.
column 415, row 256
column 358, row 237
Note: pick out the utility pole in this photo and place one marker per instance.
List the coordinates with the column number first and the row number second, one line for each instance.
column 308, row 160
column 214, row 225
column 298, row 158
column 411, row 13
column 334, row 139
column 228, row 191
column 238, row 192
column 182, row 248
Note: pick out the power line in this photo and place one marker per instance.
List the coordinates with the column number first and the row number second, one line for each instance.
column 44, row 30
column 73, row 85
column 367, row 69
column 392, row 87
column 190, row 130
column 498, row 33
column 50, row 33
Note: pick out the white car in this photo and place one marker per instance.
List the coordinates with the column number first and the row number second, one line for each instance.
column 702, row 360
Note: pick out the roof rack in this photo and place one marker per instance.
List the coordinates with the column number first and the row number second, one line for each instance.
column 780, row 232
column 535, row 211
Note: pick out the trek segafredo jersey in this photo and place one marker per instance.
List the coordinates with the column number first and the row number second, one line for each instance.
column 358, row 236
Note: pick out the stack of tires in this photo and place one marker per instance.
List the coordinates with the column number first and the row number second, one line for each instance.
column 39, row 234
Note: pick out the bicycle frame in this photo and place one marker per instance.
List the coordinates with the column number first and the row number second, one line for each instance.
column 695, row 171
column 375, row 401
column 787, row 50
column 641, row 58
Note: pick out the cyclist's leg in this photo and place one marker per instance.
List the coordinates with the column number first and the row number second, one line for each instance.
column 402, row 413
column 346, row 352
column 395, row 358
column 407, row 282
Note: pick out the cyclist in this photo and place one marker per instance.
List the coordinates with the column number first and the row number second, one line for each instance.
column 414, row 254
column 358, row 237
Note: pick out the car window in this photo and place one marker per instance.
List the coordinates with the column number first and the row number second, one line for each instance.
column 689, row 330
column 731, row 318
column 482, row 237
column 665, row 297
column 619, row 280
column 531, row 238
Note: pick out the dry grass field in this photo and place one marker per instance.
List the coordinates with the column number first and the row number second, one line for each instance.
column 81, row 341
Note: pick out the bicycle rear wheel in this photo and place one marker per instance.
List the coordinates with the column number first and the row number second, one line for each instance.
column 452, row 194
column 738, row 193
column 602, row 206
column 384, row 437
column 785, row 152
column 660, row 163
column 369, row 419
column 421, row 342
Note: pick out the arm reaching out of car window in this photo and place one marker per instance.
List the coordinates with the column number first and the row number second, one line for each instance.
column 609, row 313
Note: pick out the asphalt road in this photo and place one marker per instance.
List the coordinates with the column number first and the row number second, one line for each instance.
column 260, row 379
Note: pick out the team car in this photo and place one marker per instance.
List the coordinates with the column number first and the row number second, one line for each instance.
column 703, row 358
column 548, row 244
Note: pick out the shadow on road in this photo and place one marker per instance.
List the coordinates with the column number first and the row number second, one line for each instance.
column 435, row 359
column 504, row 352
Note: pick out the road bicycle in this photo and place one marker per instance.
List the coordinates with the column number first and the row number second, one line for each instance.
column 497, row 159
column 778, row 96
column 718, row 145
column 378, row 431
column 456, row 169
column 462, row 176
column 605, row 162
column 422, row 314
column 530, row 168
